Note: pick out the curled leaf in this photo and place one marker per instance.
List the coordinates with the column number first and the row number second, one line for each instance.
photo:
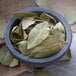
column 27, row 21
column 38, row 34
column 17, row 34
column 20, row 15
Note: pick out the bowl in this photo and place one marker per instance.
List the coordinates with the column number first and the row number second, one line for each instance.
column 44, row 61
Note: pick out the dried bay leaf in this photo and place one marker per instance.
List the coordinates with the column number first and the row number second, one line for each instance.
column 27, row 21
column 2, row 25
column 38, row 34
column 59, row 26
column 67, row 56
column 47, row 17
column 2, row 53
column 48, row 47
column 70, row 16
column 24, row 35
column 42, row 52
column 22, row 47
column 43, row 3
column 20, row 15
column 17, row 34
column 5, row 57
column 14, row 63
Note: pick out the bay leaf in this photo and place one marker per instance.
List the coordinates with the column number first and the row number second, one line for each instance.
column 3, row 51
column 17, row 34
column 38, row 34
column 70, row 16
column 14, row 63
column 47, row 17
column 67, row 56
column 2, row 25
column 6, row 58
column 25, row 36
column 43, row 3
column 48, row 47
column 43, row 73
column 60, row 27
column 22, row 47
column 42, row 52
column 20, row 15
column 27, row 21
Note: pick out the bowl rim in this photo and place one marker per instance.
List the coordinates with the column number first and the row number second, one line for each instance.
column 44, row 61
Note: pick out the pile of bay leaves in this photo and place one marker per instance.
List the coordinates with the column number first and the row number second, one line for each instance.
column 37, row 35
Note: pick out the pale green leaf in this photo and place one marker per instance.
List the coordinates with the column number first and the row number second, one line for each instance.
column 14, row 63
column 67, row 56
column 7, row 59
column 22, row 47
column 2, row 25
column 25, row 35
column 3, row 51
column 20, row 15
column 27, row 21
column 70, row 16
column 43, row 3
column 5, row 56
column 42, row 52
column 47, row 17
column 60, row 27
column 38, row 34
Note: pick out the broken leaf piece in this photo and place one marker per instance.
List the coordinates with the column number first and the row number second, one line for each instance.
column 13, row 63
column 20, row 15
column 70, row 16
column 27, row 21
column 17, row 34
column 38, row 34
column 22, row 47
column 2, row 25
